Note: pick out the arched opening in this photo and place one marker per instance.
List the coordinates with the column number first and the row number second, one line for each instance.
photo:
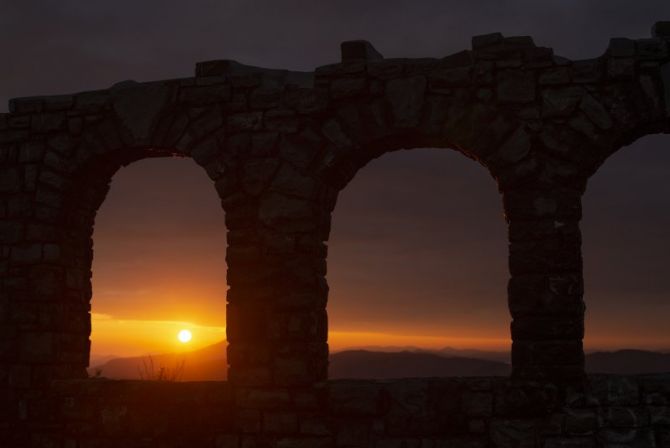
column 626, row 257
column 417, row 269
column 159, row 269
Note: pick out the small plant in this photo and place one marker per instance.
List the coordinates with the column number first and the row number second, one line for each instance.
column 97, row 373
column 149, row 371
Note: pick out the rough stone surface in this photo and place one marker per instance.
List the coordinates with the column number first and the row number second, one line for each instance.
column 279, row 146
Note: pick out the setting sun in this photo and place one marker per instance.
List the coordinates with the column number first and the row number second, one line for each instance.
column 184, row 336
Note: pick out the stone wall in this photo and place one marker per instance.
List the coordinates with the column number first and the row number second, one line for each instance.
column 279, row 146
column 607, row 411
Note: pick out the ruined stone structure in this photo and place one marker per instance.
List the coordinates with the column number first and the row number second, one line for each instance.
column 279, row 146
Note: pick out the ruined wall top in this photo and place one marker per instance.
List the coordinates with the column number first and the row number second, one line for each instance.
column 506, row 102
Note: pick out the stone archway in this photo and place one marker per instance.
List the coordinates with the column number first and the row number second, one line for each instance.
column 279, row 146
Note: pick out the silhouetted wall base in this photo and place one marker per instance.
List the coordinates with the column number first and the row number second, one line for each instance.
column 409, row 413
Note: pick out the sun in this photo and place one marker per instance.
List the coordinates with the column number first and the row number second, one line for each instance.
column 184, row 336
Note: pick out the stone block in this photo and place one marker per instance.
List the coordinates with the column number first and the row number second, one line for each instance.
column 561, row 102
column 513, row 433
column 26, row 253
column 406, row 96
column 570, row 442
column 10, row 180
column 478, row 404
column 665, row 78
column 486, row 40
column 554, row 76
column 348, row 87
column 621, row 69
column 280, row 423
column 651, row 49
column 622, row 48
column 581, row 421
column 354, row 398
column 661, row 29
column 633, row 438
column 354, row 50
column 516, row 86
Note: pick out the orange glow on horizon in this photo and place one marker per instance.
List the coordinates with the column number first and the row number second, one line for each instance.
column 129, row 337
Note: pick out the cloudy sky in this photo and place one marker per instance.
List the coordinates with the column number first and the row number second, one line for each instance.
column 418, row 248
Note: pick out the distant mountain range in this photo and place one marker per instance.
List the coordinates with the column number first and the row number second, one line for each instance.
column 205, row 364
column 210, row 363
column 383, row 365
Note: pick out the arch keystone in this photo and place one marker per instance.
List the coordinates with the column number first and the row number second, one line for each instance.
column 138, row 108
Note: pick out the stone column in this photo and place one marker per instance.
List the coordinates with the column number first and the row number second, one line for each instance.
column 276, row 317
column 546, row 285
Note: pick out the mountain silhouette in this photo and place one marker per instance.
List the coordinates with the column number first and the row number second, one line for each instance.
column 210, row 363
column 382, row 365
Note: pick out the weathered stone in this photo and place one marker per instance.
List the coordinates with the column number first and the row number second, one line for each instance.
column 561, row 102
column 556, row 75
column 515, row 148
column 637, row 438
column 589, row 71
column 244, row 121
column 348, row 87
column 205, row 94
column 486, row 40
column 665, row 77
column 257, row 174
column 47, row 122
column 596, row 112
column 139, row 106
column 661, row 29
column 651, row 48
column 582, row 421
column 621, row 69
column 478, row 404
column 10, row 180
column 281, row 120
column 290, row 182
column 622, row 48
column 570, row 442
column 406, row 96
column 513, row 433
column 359, row 50
column 333, row 132
column 516, row 86
column 454, row 77
column 354, row 398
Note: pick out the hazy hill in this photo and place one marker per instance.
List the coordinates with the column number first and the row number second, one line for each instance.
column 365, row 364
column 210, row 363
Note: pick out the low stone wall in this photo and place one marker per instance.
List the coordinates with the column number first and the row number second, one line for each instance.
column 606, row 411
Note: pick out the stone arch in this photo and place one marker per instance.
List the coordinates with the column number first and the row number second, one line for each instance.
column 629, row 194
column 408, row 244
column 107, row 130
column 279, row 145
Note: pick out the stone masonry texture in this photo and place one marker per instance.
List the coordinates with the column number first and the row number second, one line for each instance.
column 279, row 146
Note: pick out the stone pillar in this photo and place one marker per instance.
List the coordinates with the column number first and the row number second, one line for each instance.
column 276, row 317
column 546, row 285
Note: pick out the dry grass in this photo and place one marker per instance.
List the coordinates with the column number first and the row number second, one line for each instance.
column 150, row 371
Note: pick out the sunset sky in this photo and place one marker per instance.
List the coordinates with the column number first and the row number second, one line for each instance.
column 418, row 245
